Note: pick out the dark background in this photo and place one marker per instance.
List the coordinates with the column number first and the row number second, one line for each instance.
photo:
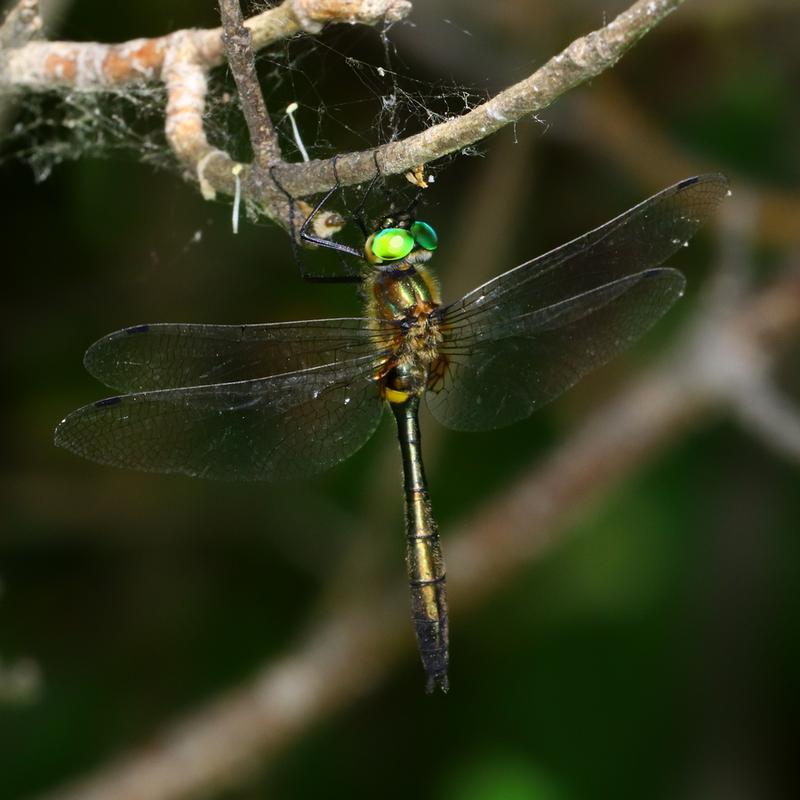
column 652, row 653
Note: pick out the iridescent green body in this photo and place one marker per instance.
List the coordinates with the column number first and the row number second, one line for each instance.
column 397, row 291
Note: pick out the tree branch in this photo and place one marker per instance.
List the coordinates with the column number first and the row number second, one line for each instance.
column 91, row 66
column 582, row 60
column 767, row 413
column 183, row 59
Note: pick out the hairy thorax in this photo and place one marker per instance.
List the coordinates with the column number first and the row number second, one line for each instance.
column 406, row 293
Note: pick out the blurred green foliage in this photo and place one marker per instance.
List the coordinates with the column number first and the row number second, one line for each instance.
column 653, row 653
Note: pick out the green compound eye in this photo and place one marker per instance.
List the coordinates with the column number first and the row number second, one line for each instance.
column 424, row 235
column 391, row 244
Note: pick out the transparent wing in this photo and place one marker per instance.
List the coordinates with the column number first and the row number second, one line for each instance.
column 285, row 426
column 533, row 357
column 642, row 238
column 166, row 356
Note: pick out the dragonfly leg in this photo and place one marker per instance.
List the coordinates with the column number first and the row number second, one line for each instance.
column 305, row 234
column 358, row 212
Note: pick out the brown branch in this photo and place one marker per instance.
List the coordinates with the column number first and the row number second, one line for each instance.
column 347, row 653
column 241, row 59
column 766, row 413
column 182, row 60
column 91, row 66
column 186, row 82
column 582, row 60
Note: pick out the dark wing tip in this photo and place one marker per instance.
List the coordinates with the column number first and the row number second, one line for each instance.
column 700, row 195
column 137, row 329
column 108, row 401
column 688, row 182
column 706, row 177
column 709, row 178
column 673, row 279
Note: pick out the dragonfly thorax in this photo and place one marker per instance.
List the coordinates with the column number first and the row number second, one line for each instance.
column 401, row 291
column 409, row 295
column 416, row 358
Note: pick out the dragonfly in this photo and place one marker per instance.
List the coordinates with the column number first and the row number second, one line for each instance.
column 287, row 400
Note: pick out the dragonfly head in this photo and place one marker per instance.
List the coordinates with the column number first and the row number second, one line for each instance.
column 408, row 240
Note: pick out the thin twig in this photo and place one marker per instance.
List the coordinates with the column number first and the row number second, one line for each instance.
column 346, row 654
column 582, row 60
column 238, row 48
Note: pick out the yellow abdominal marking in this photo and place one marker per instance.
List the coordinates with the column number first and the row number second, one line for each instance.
column 394, row 395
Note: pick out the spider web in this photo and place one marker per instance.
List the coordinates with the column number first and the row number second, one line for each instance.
column 352, row 85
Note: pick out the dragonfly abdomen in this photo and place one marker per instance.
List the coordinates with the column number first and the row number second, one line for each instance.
column 427, row 588
column 426, row 572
